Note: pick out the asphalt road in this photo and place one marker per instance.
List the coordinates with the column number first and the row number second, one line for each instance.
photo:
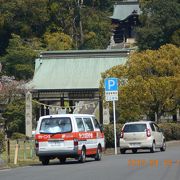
column 140, row 166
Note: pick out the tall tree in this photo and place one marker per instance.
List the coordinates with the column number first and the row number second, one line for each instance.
column 153, row 83
column 19, row 59
column 23, row 17
column 97, row 29
column 160, row 23
column 80, row 19
column 58, row 41
column 11, row 98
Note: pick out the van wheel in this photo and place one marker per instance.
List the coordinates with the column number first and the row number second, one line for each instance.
column 45, row 161
column 62, row 160
column 153, row 148
column 122, row 151
column 163, row 148
column 98, row 154
column 82, row 157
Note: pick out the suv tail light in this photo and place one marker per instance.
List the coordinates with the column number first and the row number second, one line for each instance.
column 122, row 134
column 75, row 142
column 148, row 132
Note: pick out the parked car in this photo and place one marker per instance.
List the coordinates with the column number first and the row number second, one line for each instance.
column 141, row 135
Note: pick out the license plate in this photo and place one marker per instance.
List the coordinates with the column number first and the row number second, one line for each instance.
column 55, row 143
column 135, row 144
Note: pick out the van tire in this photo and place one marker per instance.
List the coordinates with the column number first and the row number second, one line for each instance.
column 98, row 155
column 82, row 157
column 45, row 161
column 122, row 151
column 62, row 160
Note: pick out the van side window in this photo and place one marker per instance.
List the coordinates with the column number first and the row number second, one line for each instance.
column 80, row 124
column 88, row 124
column 96, row 123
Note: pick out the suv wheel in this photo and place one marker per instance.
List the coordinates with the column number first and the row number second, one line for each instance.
column 163, row 148
column 153, row 148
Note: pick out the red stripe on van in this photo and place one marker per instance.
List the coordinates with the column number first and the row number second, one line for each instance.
column 69, row 136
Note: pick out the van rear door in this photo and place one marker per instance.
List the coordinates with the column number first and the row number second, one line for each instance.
column 55, row 133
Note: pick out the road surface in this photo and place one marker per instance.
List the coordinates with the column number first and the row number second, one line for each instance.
column 139, row 166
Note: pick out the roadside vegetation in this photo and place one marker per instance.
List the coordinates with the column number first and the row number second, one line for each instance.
column 153, row 84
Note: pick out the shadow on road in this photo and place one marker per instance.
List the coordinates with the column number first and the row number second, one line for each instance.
column 68, row 162
column 140, row 152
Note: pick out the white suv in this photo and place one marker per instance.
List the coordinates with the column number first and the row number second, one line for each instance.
column 141, row 135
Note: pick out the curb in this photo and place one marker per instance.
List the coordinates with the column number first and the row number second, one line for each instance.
column 173, row 143
column 4, row 167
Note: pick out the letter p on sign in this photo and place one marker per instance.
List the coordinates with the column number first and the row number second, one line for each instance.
column 111, row 84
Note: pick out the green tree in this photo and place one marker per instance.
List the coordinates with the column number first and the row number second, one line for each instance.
column 14, row 117
column 100, row 4
column 58, row 41
column 160, row 23
column 19, row 59
column 88, row 26
column 97, row 29
column 75, row 18
column 23, row 17
column 153, row 83
column 13, row 99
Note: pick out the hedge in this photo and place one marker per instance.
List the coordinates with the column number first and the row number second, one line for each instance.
column 109, row 134
column 171, row 131
column 17, row 135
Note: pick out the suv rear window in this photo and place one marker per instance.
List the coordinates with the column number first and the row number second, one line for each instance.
column 128, row 128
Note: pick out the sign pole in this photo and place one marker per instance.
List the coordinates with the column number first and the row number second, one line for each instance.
column 111, row 94
column 115, row 141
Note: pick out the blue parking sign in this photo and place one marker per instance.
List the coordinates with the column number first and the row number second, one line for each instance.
column 111, row 84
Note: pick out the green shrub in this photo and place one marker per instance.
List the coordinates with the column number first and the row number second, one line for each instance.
column 2, row 142
column 17, row 135
column 109, row 134
column 171, row 130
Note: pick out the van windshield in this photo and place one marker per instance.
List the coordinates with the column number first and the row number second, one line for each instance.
column 56, row 125
column 134, row 128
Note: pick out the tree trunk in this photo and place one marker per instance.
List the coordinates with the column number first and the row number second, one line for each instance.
column 80, row 23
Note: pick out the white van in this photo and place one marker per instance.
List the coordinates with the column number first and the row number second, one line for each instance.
column 68, row 135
